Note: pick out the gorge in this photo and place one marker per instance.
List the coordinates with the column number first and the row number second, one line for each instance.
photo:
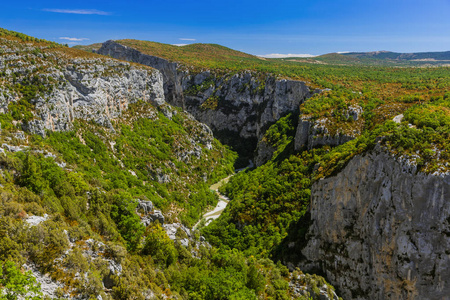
column 114, row 154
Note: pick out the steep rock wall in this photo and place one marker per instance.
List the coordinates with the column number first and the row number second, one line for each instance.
column 313, row 132
column 100, row 99
column 238, row 107
column 244, row 106
column 96, row 89
column 379, row 230
column 172, row 76
column 310, row 134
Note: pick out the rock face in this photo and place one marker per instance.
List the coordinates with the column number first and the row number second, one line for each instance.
column 237, row 107
column 76, row 87
column 157, row 216
column 184, row 238
column 313, row 133
column 245, row 106
column 145, row 206
column 100, row 99
column 172, row 78
column 148, row 214
column 381, row 231
column 264, row 153
column 49, row 287
column 306, row 286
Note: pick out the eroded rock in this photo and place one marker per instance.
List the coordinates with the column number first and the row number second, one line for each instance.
column 381, row 230
column 238, row 108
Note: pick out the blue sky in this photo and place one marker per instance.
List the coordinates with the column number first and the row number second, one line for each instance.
column 257, row 27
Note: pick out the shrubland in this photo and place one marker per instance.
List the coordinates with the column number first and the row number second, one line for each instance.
column 270, row 203
column 69, row 199
column 87, row 182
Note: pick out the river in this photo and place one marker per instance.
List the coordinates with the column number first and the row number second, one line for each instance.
column 213, row 214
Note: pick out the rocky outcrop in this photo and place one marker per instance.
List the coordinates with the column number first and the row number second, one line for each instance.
column 379, row 230
column 179, row 232
column 149, row 216
column 312, row 132
column 100, row 99
column 145, row 206
column 243, row 107
column 157, row 216
column 238, row 107
column 49, row 287
column 306, row 286
column 172, row 76
column 74, row 87
column 36, row 220
column 264, row 153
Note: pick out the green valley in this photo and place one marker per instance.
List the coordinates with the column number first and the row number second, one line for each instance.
column 107, row 160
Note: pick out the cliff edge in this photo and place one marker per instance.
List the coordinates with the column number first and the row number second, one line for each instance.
column 379, row 230
column 238, row 106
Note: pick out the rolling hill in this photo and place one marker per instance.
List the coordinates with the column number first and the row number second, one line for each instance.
column 387, row 55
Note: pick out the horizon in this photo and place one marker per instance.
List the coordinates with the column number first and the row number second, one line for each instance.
column 290, row 55
column 290, row 28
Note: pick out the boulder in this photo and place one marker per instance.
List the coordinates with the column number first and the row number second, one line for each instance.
column 146, row 206
column 157, row 216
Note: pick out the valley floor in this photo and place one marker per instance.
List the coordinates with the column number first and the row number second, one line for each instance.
column 215, row 213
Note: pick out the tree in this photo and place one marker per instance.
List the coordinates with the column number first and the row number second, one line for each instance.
column 15, row 283
column 32, row 174
column 123, row 212
column 159, row 246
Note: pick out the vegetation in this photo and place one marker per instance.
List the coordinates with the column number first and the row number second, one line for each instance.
column 25, row 38
column 387, row 59
column 86, row 183
column 270, row 202
column 84, row 186
column 429, row 58
column 16, row 284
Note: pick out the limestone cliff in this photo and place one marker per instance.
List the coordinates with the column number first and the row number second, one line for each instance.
column 316, row 132
column 72, row 85
column 172, row 76
column 238, row 107
column 379, row 230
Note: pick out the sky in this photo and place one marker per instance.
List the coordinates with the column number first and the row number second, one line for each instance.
column 259, row 27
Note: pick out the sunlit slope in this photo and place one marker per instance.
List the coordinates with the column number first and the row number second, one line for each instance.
column 387, row 55
column 198, row 55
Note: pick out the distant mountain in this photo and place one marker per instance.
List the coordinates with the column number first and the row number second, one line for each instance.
column 378, row 58
column 327, row 59
column 387, row 55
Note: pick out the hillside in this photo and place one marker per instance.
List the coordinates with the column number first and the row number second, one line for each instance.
column 387, row 55
column 107, row 163
column 89, row 48
column 398, row 111
column 238, row 101
column 102, row 180
column 198, row 55
column 378, row 58
column 331, row 58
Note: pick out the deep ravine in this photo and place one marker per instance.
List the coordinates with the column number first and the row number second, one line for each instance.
column 215, row 213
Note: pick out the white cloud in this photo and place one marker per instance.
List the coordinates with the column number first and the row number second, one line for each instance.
column 73, row 39
column 279, row 55
column 343, row 52
column 179, row 45
column 186, row 39
column 78, row 11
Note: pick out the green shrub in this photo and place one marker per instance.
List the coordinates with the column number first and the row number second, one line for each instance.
column 16, row 284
